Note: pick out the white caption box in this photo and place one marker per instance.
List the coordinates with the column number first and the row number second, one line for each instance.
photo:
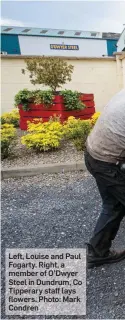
column 45, row 281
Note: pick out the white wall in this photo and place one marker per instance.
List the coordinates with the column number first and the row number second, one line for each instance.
column 97, row 76
column 41, row 46
column 121, row 42
column 123, row 66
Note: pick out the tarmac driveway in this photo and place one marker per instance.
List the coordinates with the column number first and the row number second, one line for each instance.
column 60, row 211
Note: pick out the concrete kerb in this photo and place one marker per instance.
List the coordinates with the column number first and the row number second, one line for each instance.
column 44, row 168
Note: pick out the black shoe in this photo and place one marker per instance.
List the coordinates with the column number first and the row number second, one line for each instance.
column 94, row 260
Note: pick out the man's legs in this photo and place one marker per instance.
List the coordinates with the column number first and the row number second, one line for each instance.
column 108, row 222
column 111, row 186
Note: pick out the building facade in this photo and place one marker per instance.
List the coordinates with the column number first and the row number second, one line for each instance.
column 50, row 42
column 121, row 42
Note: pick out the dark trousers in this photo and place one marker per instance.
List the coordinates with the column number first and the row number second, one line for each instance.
column 111, row 184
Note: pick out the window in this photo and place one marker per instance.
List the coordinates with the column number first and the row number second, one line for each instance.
column 8, row 29
column 43, row 31
column 61, row 32
column 93, row 34
column 26, row 30
column 77, row 33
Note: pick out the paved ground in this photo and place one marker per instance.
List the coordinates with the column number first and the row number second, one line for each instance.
column 60, row 211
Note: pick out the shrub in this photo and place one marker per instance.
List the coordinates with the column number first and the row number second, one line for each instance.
column 48, row 136
column 24, row 97
column 8, row 137
column 11, row 118
column 45, row 97
column 52, row 72
column 95, row 117
column 55, row 118
column 72, row 100
column 77, row 130
column 43, row 136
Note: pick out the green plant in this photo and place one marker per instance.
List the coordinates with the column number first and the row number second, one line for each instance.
column 45, row 97
column 72, row 100
column 77, row 130
column 11, row 118
column 55, row 118
column 52, row 72
column 25, row 97
column 43, row 136
column 8, row 137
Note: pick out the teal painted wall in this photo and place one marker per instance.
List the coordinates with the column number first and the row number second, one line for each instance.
column 111, row 47
column 10, row 44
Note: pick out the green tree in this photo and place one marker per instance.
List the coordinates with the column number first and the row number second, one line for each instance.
column 52, row 72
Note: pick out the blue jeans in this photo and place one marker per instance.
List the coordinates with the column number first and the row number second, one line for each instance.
column 110, row 181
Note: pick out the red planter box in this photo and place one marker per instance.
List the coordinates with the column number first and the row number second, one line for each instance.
column 86, row 97
column 58, row 109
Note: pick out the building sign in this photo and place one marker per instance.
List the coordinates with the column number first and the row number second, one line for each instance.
column 64, row 47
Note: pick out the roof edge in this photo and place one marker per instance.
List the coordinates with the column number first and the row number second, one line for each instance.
column 54, row 32
column 12, row 56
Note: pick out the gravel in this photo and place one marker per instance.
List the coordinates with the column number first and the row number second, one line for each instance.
column 22, row 156
column 61, row 210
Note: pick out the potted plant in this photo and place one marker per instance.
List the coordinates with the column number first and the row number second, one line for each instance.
column 77, row 104
column 51, row 72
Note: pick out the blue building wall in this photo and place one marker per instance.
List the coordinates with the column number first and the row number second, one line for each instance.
column 10, row 44
column 111, row 47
